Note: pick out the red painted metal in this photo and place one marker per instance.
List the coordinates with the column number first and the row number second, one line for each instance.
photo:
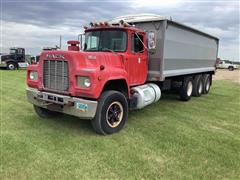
column 128, row 66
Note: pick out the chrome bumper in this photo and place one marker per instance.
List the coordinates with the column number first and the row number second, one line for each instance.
column 79, row 107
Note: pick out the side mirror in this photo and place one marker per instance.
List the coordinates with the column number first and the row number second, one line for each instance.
column 151, row 41
column 81, row 39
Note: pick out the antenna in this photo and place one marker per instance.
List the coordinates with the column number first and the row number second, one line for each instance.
column 60, row 42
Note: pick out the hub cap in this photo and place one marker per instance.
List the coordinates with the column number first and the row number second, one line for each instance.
column 189, row 88
column 11, row 66
column 114, row 114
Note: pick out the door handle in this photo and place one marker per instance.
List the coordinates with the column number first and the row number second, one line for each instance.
column 139, row 60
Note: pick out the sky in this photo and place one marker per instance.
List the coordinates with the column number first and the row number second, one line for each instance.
column 35, row 24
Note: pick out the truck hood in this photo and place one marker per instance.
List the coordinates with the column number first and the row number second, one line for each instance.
column 5, row 57
column 90, row 60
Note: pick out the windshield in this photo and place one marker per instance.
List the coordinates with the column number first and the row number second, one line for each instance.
column 106, row 40
column 12, row 51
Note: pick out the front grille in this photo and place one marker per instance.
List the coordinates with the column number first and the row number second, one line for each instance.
column 55, row 75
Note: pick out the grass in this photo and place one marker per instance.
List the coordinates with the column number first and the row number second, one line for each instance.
column 199, row 139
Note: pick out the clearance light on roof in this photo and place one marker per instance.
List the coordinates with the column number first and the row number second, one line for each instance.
column 124, row 24
column 105, row 23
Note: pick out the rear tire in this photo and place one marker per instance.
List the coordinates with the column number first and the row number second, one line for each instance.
column 186, row 89
column 206, row 83
column 45, row 113
column 112, row 113
column 11, row 66
column 197, row 86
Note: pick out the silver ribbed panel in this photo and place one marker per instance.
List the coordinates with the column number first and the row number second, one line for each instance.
column 55, row 75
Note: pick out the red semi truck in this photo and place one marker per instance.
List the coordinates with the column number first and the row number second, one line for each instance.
column 122, row 65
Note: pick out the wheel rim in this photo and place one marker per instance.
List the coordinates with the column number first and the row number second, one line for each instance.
column 11, row 66
column 200, row 88
column 189, row 88
column 114, row 114
column 207, row 85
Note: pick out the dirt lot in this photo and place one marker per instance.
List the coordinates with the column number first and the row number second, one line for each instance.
column 223, row 74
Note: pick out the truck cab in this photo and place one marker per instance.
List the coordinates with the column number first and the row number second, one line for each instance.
column 125, row 48
column 113, row 59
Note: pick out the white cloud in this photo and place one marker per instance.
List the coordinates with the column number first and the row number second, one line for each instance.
column 216, row 31
column 34, row 37
column 31, row 28
column 154, row 3
column 228, row 40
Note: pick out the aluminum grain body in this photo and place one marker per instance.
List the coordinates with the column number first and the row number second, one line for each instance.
column 180, row 49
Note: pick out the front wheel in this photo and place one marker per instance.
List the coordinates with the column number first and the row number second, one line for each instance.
column 112, row 113
column 11, row 66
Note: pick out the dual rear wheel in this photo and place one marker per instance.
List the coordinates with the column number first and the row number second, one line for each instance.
column 196, row 86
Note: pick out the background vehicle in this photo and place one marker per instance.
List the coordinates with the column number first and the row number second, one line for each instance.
column 224, row 64
column 124, row 64
column 13, row 60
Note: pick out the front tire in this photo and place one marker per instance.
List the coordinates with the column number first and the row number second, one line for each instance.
column 11, row 66
column 186, row 89
column 112, row 113
column 45, row 113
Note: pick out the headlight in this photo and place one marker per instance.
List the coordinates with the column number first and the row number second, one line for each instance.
column 83, row 81
column 33, row 75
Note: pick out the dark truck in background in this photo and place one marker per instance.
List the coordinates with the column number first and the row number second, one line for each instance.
column 14, row 60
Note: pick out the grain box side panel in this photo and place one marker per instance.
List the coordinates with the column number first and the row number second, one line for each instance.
column 186, row 51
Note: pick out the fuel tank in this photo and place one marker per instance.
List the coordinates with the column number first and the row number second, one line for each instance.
column 145, row 95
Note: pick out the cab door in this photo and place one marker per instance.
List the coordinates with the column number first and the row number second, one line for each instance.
column 137, row 61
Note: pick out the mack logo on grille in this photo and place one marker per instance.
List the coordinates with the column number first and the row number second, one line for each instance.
column 55, row 56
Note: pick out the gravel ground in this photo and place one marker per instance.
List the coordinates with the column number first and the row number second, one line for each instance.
column 224, row 74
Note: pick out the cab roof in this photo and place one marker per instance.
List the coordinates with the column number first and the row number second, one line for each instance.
column 117, row 27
